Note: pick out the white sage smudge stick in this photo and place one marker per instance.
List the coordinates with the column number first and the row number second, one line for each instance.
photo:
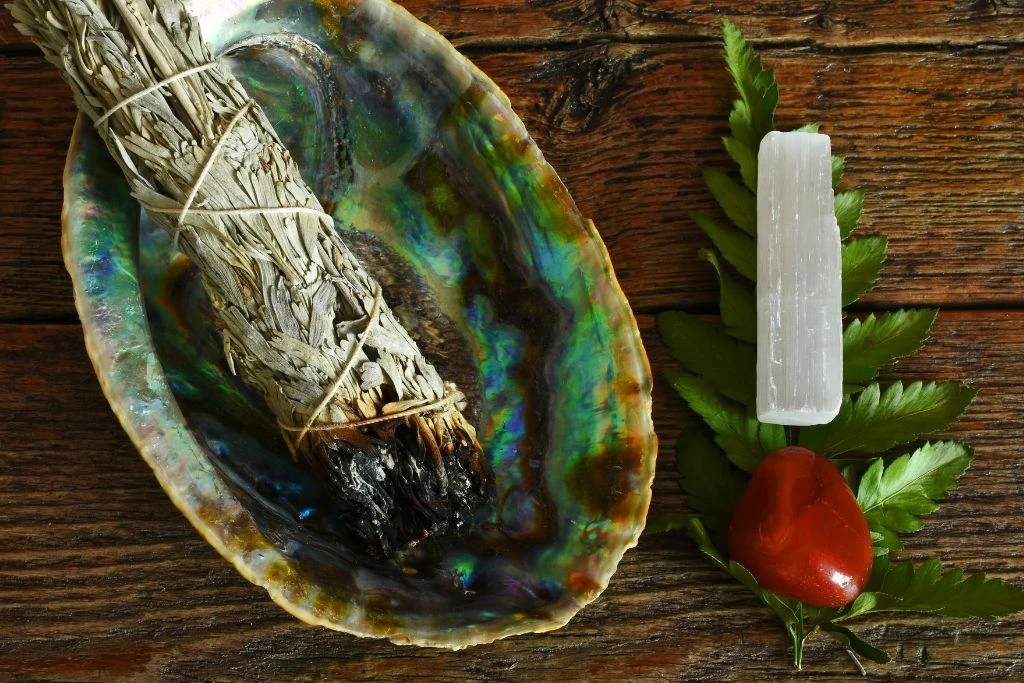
column 799, row 282
column 301, row 319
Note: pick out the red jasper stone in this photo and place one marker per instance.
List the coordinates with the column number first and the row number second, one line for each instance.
column 799, row 531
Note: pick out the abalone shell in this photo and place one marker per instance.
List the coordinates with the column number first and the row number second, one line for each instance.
column 437, row 185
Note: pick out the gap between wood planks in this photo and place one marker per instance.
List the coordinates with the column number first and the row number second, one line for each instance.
column 483, row 46
column 1008, row 306
column 474, row 46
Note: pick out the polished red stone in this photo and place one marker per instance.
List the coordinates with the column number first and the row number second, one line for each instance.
column 799, row 531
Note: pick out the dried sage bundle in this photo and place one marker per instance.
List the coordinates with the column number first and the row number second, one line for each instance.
column 301, row 319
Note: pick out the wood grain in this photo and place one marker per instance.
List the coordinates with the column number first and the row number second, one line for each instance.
column 935, row 138
column 488, row 23
column 35, row 126
column 102, row 579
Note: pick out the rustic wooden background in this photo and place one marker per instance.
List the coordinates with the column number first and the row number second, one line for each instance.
column 102, row 579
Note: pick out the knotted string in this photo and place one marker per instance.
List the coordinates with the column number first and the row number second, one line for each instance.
column 205, row 170
column 153, row 88
column 446, row 401
column 349, row 363
column 186, row 208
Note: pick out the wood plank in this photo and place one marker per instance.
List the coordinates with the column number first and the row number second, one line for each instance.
column 845, row 23
column 36, row 116
column 102, row 579
column 486, row 23
column 934, row 138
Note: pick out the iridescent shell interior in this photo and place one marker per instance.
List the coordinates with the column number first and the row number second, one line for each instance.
column 480, row 248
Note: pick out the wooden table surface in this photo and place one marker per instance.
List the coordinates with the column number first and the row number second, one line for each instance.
column 102, row 579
